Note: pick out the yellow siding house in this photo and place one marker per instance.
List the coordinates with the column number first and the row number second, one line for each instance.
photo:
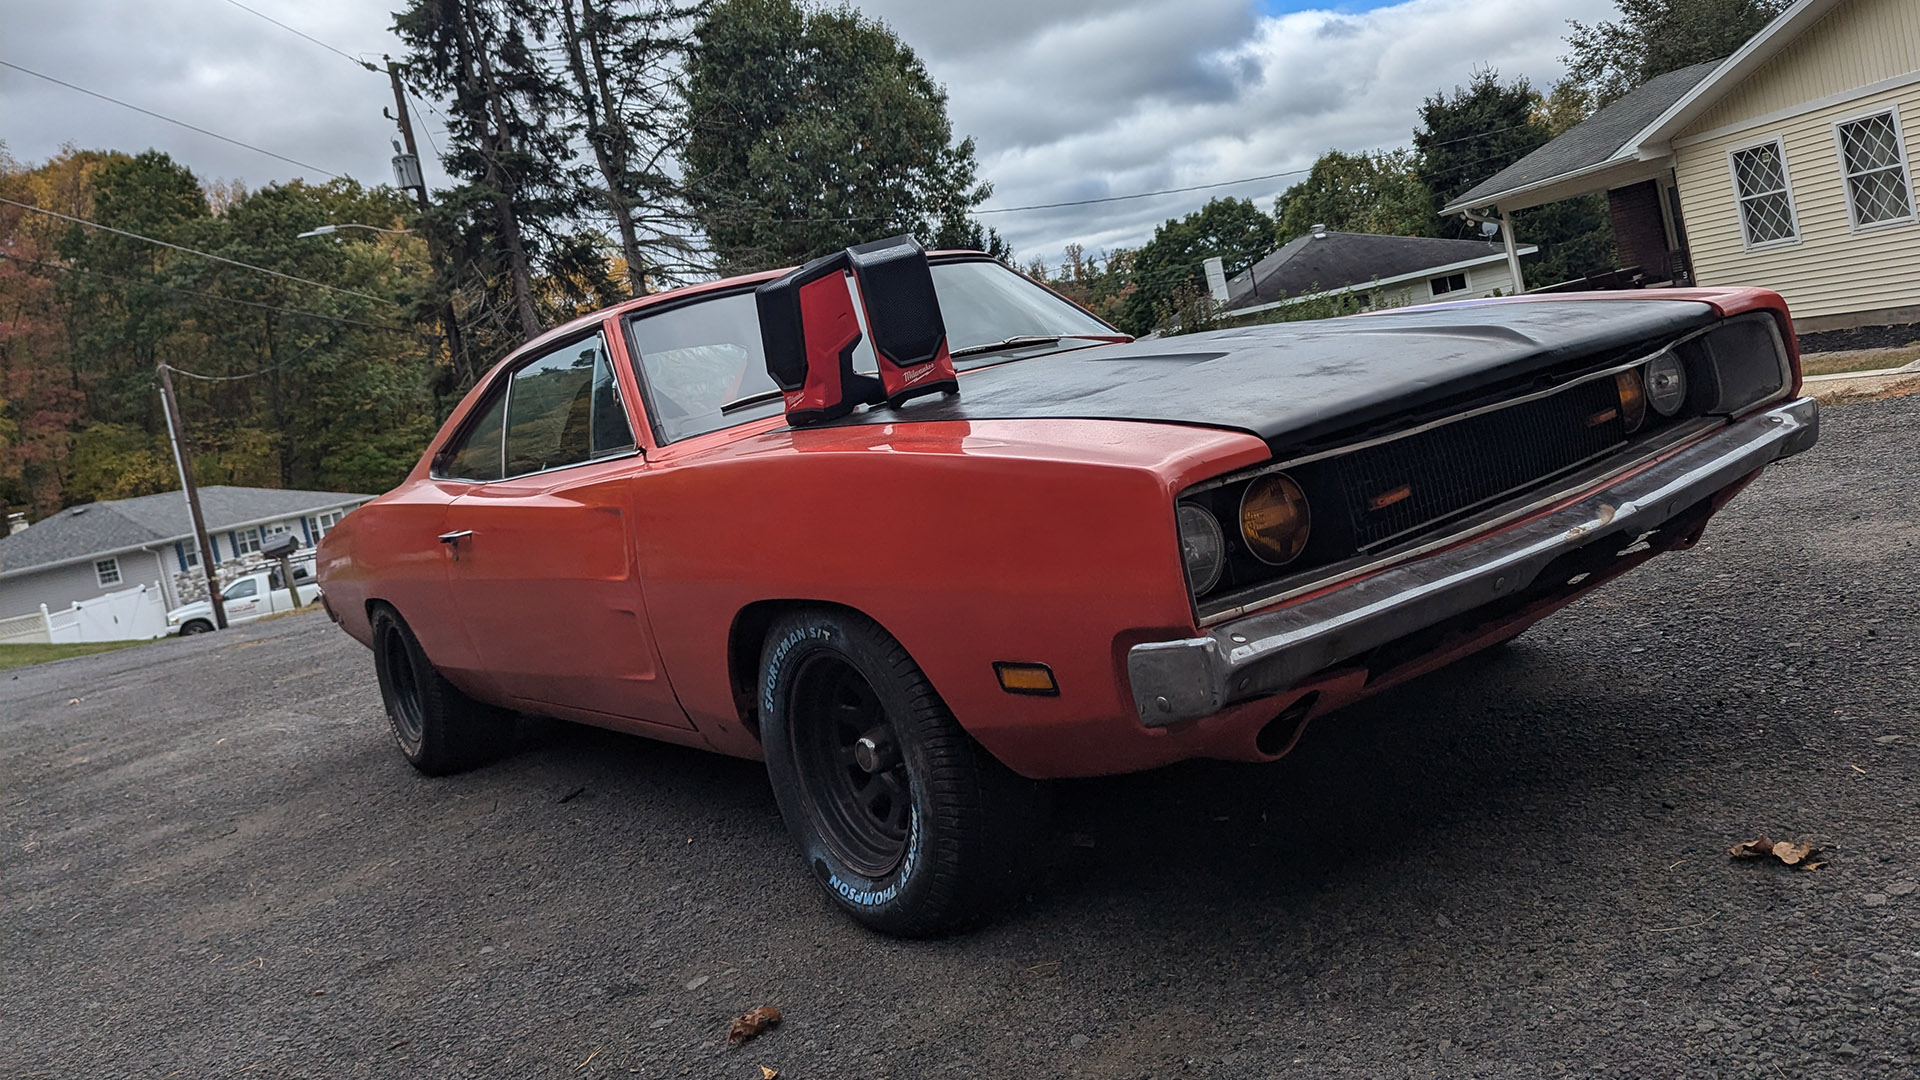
column 1788, row 165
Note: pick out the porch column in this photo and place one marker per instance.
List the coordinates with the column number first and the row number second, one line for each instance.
column 1513, row 252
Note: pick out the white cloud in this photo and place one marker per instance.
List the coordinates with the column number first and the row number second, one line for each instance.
column 1067, row 100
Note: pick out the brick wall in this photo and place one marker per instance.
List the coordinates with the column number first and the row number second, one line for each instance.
column 1639, row 234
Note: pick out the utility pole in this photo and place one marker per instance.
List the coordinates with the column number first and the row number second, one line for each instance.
column 184, row 461
column 456, row 352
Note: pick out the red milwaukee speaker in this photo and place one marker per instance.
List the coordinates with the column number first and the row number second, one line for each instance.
column 808, row 330
column 903, row 316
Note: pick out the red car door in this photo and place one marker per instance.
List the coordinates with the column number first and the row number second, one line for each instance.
column 541, row 569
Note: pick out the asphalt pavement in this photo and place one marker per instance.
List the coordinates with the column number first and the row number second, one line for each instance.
column 216, row 864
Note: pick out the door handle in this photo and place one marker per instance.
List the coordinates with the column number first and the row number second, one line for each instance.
column 455, row 537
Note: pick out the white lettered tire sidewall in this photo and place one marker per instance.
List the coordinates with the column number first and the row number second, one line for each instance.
column 915, row 898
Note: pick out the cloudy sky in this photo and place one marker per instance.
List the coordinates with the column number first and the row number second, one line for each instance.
column 1068, row 100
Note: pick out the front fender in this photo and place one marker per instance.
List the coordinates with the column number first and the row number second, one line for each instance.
column 1035, row 541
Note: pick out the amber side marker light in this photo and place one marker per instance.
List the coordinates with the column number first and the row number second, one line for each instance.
column 1388, row 498
column 1026, row 678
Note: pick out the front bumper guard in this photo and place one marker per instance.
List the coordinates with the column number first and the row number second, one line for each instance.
column 1268, row 653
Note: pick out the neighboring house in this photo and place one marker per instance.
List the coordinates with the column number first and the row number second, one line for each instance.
column 1787, row 165
column 96, row 548
column 1399, row 270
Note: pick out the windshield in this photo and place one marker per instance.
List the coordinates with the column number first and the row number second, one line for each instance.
column 699, row 356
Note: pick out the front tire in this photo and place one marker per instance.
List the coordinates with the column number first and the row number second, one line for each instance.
column 908, row 824
column 438, row 729
column 196, row 626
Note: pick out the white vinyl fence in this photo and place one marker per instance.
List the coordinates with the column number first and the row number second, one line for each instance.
column 134, row 614
column 26, row 629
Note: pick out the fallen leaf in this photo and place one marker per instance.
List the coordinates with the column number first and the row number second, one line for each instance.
column 752, row 1023
column 1797, row 855
column 769, row 1073
column 1792, row 854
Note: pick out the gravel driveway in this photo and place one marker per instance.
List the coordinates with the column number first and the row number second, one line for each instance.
column 217, row 865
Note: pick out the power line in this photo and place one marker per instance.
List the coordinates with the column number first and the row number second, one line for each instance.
column 238, row 378
column 169, row 119
column 202, row 254
column 424, row 126
column 301, row 33
column 1222, row 183
column 355, row 61
column 206, row 295
column 1142, row 194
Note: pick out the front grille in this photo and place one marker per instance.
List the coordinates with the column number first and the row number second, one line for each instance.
column 1397, row 487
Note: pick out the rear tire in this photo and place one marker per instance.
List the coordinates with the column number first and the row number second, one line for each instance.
column 439, row 729
column 919, row 831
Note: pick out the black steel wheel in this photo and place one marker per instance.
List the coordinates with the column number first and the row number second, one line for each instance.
column 195, row 626
column 403, row 700
column 910, row 826
column 849, row 765
column 438, row 729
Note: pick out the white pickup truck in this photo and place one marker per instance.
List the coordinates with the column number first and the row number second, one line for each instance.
column 254, row 596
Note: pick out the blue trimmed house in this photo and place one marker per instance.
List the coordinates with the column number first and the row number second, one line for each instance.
column 96, row 548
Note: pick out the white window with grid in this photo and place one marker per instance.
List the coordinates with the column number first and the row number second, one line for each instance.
column 1765, row 195
column 324, row 523
column 1873, row 159
column 246, row 540
column 107, row 572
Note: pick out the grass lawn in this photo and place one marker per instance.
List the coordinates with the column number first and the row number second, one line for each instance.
column 13, row 656
column 1833, row 363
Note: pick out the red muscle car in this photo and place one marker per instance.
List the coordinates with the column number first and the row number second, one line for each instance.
column 726, row 517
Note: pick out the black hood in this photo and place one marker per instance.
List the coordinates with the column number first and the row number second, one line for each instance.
column 1295, row 382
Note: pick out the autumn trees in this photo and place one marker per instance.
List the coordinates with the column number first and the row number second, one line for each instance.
column 317, row 382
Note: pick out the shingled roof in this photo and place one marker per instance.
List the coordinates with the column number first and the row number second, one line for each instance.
column 104, row 528
column 1593, row 142
column 1322, row 262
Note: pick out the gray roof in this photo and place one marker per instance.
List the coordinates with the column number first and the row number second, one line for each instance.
column 103, row 528
column 1593, row 141
column 1335, row 260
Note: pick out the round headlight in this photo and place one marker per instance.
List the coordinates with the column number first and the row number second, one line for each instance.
column 1202, row 548
column 1633, row 399
column 1666, row 384
column 1274, row 519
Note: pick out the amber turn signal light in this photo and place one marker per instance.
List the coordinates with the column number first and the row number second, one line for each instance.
column 1633, row 399
column 1025, row 678
column 1274, row 519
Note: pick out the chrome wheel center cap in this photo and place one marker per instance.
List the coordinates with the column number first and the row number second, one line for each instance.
column 873, row 752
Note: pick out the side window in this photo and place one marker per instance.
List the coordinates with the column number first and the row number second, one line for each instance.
column 564, row 408
column 242, row 589
column 477, row 455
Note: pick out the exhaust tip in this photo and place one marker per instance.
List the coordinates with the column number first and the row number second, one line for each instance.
column 1280, row 733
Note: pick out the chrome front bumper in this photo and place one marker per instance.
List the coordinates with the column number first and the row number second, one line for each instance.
column 1269, row 652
